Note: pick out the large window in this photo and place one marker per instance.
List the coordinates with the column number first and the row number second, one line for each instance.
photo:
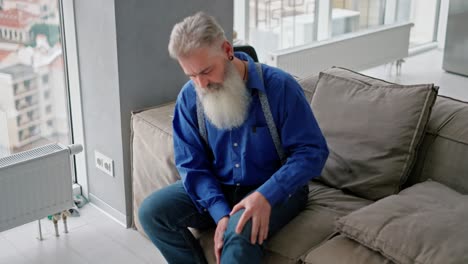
column 33, row 91
column 425, row 16
column 279, row 24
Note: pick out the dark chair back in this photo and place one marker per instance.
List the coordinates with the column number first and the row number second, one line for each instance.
column 249, row 50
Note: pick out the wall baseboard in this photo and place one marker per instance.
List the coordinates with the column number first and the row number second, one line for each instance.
column 108, row 210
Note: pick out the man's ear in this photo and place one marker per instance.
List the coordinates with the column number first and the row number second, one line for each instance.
column 227, row 48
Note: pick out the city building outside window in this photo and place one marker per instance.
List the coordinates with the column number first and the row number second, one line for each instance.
column 33, row 90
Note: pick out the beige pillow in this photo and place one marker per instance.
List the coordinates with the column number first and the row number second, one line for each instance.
column 426, row 223
column 372, row 132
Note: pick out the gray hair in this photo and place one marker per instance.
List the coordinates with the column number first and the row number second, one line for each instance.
column 199, row 30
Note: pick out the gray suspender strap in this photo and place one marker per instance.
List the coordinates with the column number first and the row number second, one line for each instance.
column 266, row 111
column 269, row 118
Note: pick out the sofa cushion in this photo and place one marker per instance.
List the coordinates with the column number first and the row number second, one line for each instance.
column 372, row 132
column 309, row 83
column 310, row 228
column 342, row 250
column 353, row 75
column 152, row 154
column 443, row 152
column 426, row 223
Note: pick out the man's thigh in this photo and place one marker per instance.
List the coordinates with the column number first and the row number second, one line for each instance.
column 172, row 205
column 281, row 214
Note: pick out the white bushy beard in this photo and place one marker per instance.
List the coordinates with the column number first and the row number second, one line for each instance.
column 226, row 105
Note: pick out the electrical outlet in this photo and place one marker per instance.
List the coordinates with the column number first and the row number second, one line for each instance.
column 104, row 163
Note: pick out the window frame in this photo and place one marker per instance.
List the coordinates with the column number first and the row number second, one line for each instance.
column 73, row 91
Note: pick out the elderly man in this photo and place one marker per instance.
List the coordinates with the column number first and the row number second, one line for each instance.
column 246, row 144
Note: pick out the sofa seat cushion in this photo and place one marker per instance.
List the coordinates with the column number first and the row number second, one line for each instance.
column 310, row 228
column 425, row 223
column 372, row 131
column 342, row 250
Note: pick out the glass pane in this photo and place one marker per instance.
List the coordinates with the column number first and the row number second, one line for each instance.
column 354, row 15
column 280, row 24
column 423, row 13
column 33, row 98
column 346, row 14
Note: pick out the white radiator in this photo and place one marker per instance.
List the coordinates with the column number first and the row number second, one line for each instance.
column 358, row 51
column 35, row 184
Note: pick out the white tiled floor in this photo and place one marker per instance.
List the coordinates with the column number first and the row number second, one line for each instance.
column 95, row 238
column 426, row 68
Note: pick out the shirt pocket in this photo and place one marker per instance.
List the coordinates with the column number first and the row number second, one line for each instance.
column 262, row 152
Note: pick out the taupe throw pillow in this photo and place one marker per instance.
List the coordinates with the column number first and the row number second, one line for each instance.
column 426, row 223
column 372, row 132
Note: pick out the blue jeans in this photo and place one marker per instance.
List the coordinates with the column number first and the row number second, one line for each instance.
column 166, row 214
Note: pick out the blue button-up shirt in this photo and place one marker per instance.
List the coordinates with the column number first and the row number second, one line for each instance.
column 246, row 155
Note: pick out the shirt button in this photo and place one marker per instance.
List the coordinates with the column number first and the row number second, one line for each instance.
column 235, row 144
column 237, row 165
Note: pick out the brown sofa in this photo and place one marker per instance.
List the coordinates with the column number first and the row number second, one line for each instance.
column 313, row 236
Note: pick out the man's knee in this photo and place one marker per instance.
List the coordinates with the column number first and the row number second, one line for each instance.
column 231, row 233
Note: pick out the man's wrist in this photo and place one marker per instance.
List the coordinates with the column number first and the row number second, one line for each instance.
column 219, row 210
column 223, row 218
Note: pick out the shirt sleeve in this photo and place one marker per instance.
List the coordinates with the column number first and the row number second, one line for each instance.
column 192, row 159
column 302, row 140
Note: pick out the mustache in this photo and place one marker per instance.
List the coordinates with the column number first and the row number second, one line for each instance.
column 209, row 88
column 214, row 86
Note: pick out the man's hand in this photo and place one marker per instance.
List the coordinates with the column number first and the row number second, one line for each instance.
column 219, row 237
column 258, row 208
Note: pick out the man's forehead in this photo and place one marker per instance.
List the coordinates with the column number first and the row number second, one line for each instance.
column 198, row 61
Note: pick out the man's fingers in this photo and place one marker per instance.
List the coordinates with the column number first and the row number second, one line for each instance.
column 218, row 256
column 243, row 219
column 255, row 230
column 217, row 248
column 219, row 245
column 267, row 227
column 236, row 208
column 261, row 233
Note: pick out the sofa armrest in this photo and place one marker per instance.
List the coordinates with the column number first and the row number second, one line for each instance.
column 152, row 153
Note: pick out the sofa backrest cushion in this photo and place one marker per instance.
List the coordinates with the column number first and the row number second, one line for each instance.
column 309, row 83
column 444, row 148
column 372, row 131
column 443, row 155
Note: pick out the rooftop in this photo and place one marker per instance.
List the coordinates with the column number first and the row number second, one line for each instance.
column 4, row 54
column 18, row 71
column 30, row 1
column 15, row 18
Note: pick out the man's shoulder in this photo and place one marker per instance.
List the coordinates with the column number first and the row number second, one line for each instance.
column 187, row 96
column 279, row 80
column 187, row 93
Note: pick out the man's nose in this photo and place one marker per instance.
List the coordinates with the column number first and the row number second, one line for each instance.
column 202, row 81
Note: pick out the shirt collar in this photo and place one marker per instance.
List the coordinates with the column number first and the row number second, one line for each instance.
column 253, row 80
